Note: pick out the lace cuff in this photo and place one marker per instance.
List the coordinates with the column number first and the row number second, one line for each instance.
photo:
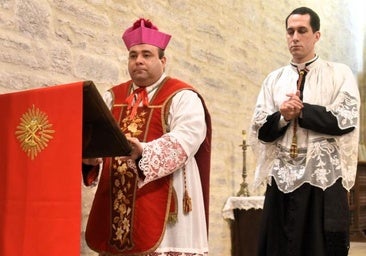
column 161, row 157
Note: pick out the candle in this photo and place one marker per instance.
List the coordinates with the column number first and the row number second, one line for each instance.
column 244, row 134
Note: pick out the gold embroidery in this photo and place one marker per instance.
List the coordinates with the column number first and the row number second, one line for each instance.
column 123, row 182
column 34, row 132
column 122, row 204
column 133, row 127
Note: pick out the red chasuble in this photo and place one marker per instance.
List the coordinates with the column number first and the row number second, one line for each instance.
column 40, row 161
column 125, row 220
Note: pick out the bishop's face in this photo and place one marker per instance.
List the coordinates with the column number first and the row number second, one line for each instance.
column 144, row 65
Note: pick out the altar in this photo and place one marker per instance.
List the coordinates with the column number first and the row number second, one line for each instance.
column 244, row 214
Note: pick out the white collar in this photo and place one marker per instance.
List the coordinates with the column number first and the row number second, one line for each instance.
column 300, row 66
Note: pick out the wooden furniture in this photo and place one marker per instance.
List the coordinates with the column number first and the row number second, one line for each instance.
column 244, row 214
column 357, row 204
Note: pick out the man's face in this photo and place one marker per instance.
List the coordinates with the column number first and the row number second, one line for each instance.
column 300, row 38
column 144, row 65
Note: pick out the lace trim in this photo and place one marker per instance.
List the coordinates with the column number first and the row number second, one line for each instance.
column 322, row 159
column 161, row 157
column 346, row 110
column 170, row 253
column 242, row 203
column 320, row 166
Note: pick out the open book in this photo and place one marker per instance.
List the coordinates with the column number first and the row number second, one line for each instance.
column 102, row 136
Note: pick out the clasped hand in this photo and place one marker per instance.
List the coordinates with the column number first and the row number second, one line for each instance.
column 292, row 107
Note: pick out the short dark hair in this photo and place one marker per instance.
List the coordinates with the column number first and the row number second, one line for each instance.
column 314, row 18
column 161, row 53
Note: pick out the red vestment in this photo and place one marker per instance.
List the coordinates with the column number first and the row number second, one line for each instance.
column 126, row 220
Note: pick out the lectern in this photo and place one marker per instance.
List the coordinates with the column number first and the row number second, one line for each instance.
column 42, row 142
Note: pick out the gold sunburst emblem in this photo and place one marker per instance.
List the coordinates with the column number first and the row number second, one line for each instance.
column 34, row 132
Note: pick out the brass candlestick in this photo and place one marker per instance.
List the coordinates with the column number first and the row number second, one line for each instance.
column 244, row 191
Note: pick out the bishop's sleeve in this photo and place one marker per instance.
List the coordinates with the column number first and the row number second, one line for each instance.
column 187, row 130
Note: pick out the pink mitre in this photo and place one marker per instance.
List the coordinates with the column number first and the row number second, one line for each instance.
column 144, row 32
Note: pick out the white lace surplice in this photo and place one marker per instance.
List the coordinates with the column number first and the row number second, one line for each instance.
column 187, row 125
column 322, row 158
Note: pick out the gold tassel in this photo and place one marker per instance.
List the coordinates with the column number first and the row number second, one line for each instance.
column 187, row 203
column 173, row 214
column 172, row 218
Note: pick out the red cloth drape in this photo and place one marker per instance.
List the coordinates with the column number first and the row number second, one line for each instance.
column 40, row 161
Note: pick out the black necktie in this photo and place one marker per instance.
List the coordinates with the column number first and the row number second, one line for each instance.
column 300, row 87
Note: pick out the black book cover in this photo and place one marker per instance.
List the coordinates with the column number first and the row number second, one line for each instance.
column 102, row 136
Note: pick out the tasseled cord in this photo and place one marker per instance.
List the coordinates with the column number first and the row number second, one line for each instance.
column 187, row 201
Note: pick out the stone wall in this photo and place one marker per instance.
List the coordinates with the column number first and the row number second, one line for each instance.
column 224, row 48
